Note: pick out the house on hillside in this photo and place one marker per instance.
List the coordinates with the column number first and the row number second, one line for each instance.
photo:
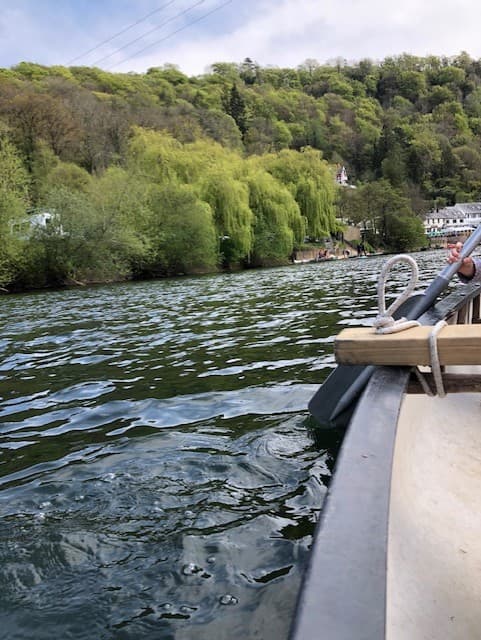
column 460, row 218
column 40, row 221
column 342, row 178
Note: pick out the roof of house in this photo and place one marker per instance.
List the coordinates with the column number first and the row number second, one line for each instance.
column 459, row 210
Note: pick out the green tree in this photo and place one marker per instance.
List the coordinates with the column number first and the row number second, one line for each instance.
column 278, row 223
column 13, row 203
column 221, row 128
column 95, row 234
column 404, row 232
column 182, row 232
column 249, row 71
column 226, row 70
column 266, row 135
column 233, row 218
column 310, row 180
column 235, row 106
column 385, row 215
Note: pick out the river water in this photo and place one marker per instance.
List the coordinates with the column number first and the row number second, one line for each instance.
column 160, row 476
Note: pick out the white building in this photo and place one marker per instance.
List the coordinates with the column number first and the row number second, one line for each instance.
column 341, row 176
column 41, row 220
column 35, row 221
column 460, row 218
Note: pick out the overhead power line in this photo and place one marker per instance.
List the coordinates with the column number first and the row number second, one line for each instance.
column 119, row 33
column 186, row 26
column 147, row 33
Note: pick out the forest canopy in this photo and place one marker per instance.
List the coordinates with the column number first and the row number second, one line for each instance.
column 159, row 173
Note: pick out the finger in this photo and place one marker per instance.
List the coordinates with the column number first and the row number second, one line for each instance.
column 453, row 256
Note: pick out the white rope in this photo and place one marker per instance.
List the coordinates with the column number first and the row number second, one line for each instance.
column 435, row 364
column 384, row 322
column 434, row 357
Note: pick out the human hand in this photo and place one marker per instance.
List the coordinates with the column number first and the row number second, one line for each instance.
column 466, row 265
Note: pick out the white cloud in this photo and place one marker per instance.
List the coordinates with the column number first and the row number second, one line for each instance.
column 287, row 33
column 271, row 32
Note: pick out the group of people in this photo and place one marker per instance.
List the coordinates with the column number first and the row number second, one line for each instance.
column 324, row 254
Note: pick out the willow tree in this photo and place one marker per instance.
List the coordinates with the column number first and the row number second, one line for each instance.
column 152, row 155
column 278, row 223
column 182, row 232
column 310, row 180
column 314, row 205
column 160, row 158
column 13, row 201
column 205, row 156
column 233, row 218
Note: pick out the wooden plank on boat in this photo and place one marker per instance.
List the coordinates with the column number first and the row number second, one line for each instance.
column 457, row 345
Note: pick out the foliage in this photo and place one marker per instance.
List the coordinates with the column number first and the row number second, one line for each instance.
column 244, row 156
column 310, row 180
column 278, row 221
column 385, row 216
column 235, row 106
column 13, row 203
column 183, row 233
column 233, row 217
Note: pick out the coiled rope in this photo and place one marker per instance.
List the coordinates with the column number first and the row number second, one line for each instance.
column 385, row 323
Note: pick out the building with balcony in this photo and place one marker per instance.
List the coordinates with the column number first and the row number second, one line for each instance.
column 460, row 218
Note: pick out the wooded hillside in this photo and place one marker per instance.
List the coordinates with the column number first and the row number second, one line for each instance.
column 158, row 173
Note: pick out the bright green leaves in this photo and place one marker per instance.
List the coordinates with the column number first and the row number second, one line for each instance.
column 13, row 202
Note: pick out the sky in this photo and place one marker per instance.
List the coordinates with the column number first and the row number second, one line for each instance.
column 123, row 36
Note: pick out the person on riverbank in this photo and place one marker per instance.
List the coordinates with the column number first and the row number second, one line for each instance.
column 469, row 269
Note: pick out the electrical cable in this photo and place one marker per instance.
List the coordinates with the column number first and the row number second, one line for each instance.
column 172, row 34
column 162, row 24
column 119, row 33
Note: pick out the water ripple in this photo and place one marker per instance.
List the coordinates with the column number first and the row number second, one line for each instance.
column 158, row 475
